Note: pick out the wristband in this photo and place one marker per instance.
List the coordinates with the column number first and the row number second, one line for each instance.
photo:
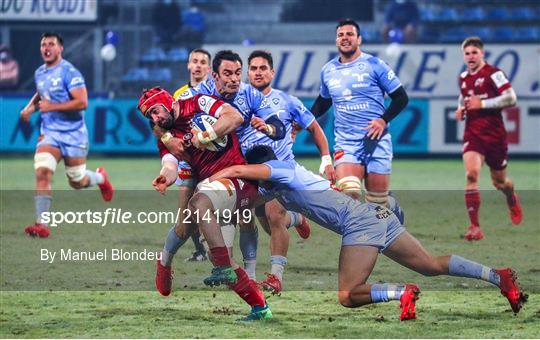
column 482, row 104
column 207, row 136
column 325, row 160
column 167, row 136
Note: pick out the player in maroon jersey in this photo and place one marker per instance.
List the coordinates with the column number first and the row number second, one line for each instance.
column 485, row 91
column 211, row 198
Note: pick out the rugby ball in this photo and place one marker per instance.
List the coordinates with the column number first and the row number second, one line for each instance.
column 201, row 122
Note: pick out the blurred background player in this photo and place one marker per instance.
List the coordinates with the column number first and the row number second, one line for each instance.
column 198, row 67
column 290, row 110
column 401, row 20
column 355, row 83
column 366, row 229
column 61, row 98
column 485, row 91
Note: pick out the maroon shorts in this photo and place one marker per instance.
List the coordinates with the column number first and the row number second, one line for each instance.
column 246, row 193
column 496, row 154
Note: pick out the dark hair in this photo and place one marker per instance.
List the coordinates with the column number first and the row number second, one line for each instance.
column 260, row 154
column 203, row 51
column 53, row 35
column 224, row 55
column 348, row 21
column 473, row 41
column 262, row 54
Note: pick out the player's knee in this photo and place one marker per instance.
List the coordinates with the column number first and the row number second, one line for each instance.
column 276, row 218
column 350, row 185
column 344, row 298
column 499, row 183
column 472, row 176
column 380, row 198
column 44, row 164
column 75, row 175
column 199, row 202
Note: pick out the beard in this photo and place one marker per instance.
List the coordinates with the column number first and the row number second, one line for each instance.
column 348, row 53
column 166, row 123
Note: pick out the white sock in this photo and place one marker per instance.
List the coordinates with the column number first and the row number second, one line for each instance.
column 250, row 267
column 94, row 177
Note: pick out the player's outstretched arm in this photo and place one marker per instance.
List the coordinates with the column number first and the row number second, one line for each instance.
column 30, row 108
column 255, row 172
column 507, row 98
column 320, row 106
column 167, row 175
column 78, row 102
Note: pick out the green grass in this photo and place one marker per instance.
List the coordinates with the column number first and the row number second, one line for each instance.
column 117, row 299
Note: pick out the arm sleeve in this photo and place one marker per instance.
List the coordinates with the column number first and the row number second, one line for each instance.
column 278, row 124
column 397, row 104
column 73, row 79
column 300, row 113
column 280, row 172
column 320, row 106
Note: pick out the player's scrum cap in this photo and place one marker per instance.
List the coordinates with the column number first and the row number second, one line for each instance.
column 155, row 96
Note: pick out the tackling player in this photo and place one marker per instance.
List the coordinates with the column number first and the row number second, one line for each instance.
column 485, row 91
column 61, row 98
column 355, row 83
column 366, row 230
column 290, row 110
column 159, row 106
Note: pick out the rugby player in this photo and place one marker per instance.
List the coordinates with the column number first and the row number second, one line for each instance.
column 61, row 97
column 485, row 91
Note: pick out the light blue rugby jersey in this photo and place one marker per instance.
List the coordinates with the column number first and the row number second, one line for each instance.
column 54, row 84
column 357, row 90
column 289, row 109
column 249, row 101
column 302, row 191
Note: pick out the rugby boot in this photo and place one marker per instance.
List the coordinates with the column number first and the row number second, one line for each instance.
column 303, row 229
column 408, row 302
column 164, row 278
column 474, row 233
column 510, row 289
column 271, row 284
column 197, row 256
column 257, row 313
column 38, row 230
column 516, row 213
column 106, row 188
column 221, row 275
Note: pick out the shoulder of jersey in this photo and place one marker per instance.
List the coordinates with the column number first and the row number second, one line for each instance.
column 186, row 94
column 330, row 63
column 179, row 91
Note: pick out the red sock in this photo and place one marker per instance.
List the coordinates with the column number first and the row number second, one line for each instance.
column 472, row 202
column 220, row 256
column 248, row 289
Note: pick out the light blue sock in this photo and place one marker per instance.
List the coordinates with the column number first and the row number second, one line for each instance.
column 94, row 177
column 296, row 218
column 384, row 292
column 172, row 243
column 462, row 267
column 249, row 241
column 278, row 263
column 42, row 204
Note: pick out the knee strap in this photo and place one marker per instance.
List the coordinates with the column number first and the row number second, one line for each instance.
column 76, row 173
column 45, row 160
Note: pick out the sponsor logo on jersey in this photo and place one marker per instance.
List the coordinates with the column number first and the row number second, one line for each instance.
column 346, row 72
column 333, row 83
column 55, row 81
column 275, row 101
column 206, row 102
column 361, row 66
column 499, row 78
column 391, row 75
column 76, row 80
column 463, row 85
column 264, row 103
column 479, row 82
column 360, row 76
column 347, row 94
column 185, row 95
column 240, row 101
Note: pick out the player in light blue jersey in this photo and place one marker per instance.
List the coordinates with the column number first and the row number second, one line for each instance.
column 61, row 98
column 356, row 82
column 290, row 110
column 366, row 230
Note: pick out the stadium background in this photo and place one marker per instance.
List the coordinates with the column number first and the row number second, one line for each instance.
column 300, row 34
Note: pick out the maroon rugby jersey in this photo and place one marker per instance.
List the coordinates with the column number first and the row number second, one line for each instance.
column 486, row 124
column 204, row 163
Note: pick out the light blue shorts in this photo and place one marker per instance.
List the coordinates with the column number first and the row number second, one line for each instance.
column 379, row 161
column 185, row 175
column 71, row 143
column 371, row 225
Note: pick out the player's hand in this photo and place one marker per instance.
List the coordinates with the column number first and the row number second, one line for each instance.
column 473, row 103
column 330, row 173
column 375, row 128
column 460, row 113
column 45, row 105
column 158, row 131
column 258, row 124
column 295, row 129
column 160, row 184
column 176, row 147
column 195, row 140
column 25, row 115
